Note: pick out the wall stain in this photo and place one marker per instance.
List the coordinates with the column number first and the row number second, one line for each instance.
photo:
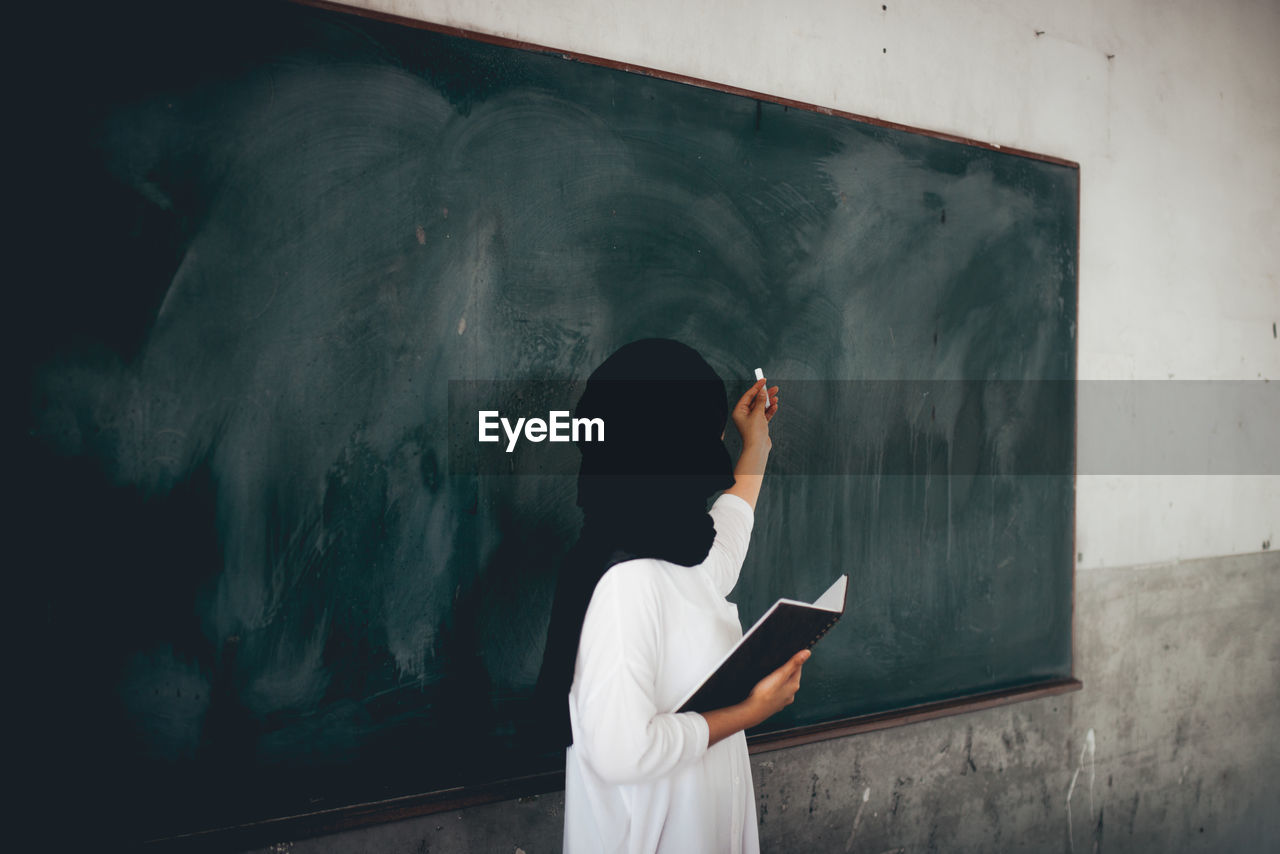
column 968, row 753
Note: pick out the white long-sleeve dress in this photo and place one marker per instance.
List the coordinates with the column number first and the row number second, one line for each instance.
column 639, row 778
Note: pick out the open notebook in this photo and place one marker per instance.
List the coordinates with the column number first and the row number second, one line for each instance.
column 785, row 629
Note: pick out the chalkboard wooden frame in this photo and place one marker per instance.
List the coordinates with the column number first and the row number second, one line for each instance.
column 365, row 814
column 674, row 77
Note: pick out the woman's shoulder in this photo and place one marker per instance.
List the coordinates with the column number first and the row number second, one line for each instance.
column 654, row 582
column 646, row 578
column 634, row 574
column 632, row 586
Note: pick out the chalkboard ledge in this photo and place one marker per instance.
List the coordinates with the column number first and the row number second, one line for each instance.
column 338, row 819
column 912, row 714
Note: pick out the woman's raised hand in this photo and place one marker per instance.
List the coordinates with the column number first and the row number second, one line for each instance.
column 752, row 418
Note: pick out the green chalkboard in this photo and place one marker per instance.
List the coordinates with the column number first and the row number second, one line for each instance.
column 269, row 241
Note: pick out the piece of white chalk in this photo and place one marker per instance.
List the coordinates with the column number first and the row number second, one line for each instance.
column 764, row 391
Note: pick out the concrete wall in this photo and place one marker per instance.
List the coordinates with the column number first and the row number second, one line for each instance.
column 1172, row 110
column 1173, row 745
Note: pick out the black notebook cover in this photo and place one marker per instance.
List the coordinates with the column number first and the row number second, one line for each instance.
column 784, row 630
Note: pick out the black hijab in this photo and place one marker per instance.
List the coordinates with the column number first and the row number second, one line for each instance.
column 643, row 491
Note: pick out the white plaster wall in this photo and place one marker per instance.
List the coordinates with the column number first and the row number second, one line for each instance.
column 1172, row 110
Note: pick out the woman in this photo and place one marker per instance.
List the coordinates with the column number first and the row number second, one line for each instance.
column 641, row 617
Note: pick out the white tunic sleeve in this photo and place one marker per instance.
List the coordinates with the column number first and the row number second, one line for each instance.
column 734, row 519
column 619, row 729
